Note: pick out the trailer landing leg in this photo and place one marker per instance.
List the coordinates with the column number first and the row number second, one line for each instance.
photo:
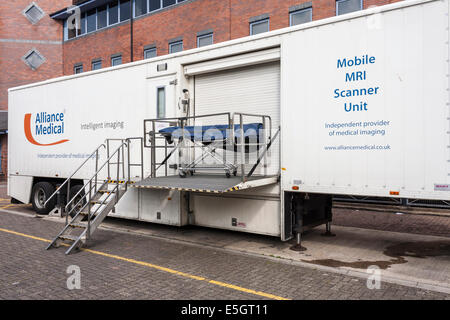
column 328, row 232
column 298, row 246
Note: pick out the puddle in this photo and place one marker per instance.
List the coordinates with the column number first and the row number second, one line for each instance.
column 397, row 252
column 419, row 249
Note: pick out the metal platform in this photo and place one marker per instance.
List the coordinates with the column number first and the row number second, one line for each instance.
column 205, row 183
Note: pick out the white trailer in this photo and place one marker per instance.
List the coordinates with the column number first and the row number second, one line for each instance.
column 361, row 102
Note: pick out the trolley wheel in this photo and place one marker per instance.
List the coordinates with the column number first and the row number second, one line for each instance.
column 182, row 174
column 235, row 173
column 227, row 174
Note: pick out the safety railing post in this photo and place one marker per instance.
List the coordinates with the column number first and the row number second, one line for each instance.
column 153, row 149
column 265, row 144
column 68, row 196
column 242, row 147
column 89, row 210
column 118, row 173
column 129, row 163
column 96, row 168
column 123, row 159
column 107, row 157
column 142, row 158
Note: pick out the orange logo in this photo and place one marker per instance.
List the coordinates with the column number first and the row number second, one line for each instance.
column 29, row 136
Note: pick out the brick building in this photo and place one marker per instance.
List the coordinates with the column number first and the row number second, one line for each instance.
column 43, row 39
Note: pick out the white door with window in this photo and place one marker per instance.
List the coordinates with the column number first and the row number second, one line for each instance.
column 161, row 104
column 161, row 97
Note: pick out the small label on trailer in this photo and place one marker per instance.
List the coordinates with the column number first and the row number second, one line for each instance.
column 441, row 187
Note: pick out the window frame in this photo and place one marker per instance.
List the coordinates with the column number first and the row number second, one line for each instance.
column 175, row 43
column 361, row 2
column 78, row 67
column 108, row 24
column 260, row 22
column 211, row 34
column 150, row 49
column 96, row 17
column 114, row 57
column 96, row 62
column 157, row 101
column 310, row 9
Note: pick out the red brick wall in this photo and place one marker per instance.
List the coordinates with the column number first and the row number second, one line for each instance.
column 229, row 19
column 14, row 29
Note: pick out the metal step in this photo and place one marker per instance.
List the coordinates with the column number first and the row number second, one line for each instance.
column 99, row 200
column 104, row 191
column 78, row 225
column 68, row 237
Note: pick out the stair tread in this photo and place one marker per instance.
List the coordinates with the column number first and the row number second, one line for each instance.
column 68, row 237
column 78, row 225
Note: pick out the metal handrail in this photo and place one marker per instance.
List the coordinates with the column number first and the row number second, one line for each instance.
column 68, row 179
column 232, row 123
column 95, row 175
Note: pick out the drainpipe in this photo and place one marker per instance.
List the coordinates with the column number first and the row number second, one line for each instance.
column 131, row 30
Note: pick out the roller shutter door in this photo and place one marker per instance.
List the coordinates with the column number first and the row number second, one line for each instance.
column 254, row 89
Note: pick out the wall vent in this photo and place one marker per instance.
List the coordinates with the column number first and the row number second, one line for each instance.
column 34, row 59
column 33, row 13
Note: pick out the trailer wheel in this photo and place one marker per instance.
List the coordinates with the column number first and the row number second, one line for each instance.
column 73, row 191
column 39, row 194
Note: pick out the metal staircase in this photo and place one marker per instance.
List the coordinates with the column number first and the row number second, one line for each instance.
column 97, row 198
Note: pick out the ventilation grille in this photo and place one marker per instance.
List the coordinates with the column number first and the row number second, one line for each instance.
column 33, row 59
column 33, row 13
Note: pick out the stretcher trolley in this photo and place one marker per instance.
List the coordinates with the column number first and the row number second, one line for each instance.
column 210, row 143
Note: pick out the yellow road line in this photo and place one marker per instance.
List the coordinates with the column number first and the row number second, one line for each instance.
column 164, row 269
column 8, row 206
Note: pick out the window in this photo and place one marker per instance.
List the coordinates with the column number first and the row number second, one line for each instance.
column 176, row 46
column 149, row 53
column 72, row 33
column 300, row 16
column 140, row 7
column 124, row 10
column 347, row 6
column 116, row 60
column 82, row 28
column 167, row 3
column 96, row 64
column 102, row 17
column 34, row 59
column 78, row 69
column 113, row 12
column 161, row 102
column 259, row 27
column 110, row 14
column 154, row 5
column 91, row 20
column 33, row 13
column 205, row 40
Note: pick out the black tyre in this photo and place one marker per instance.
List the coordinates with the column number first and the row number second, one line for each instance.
column 39, row 194
column 76, row 202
